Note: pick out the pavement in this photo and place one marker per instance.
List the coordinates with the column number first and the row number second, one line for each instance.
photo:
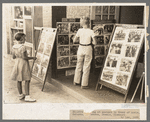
column 51, row 94
column 60, row 90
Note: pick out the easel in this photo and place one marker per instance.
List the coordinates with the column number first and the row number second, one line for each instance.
column 115, row 87
column 142, row 78
column 51, row 43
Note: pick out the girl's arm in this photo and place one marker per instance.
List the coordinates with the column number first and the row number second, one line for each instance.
column 14, row 56
column 25, row 57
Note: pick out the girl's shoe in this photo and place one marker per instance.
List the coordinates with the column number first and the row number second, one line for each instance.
column 29, row 99
column 21, row 96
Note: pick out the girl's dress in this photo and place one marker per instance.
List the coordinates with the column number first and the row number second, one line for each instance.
column 21, row 70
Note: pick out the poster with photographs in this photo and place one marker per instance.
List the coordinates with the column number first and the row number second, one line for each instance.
column 18, row 12
column 66, row 48
column 63, row 62
column 126, row 65
column 122, row 80
column 43, row 54
column 108, row 75
column 111, row 62
column 131, row 50
column 120, row 34
column 99, row 61
column 122, row 56
column 135, row 36
column 63, row 51
column 73, row 60
column 115, row 48
column 27, row 11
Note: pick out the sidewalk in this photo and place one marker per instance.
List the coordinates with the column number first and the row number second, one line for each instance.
column 60, row 90
column 51, row 93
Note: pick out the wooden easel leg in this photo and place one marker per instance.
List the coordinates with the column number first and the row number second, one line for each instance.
column 43, row 86
column 101, row 86
column 96, row 87
column 143, row 80
column 125, row 98
column 136, row 89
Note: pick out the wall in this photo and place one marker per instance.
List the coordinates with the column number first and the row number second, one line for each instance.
column 47, row 16
column 78, row 11
column 131, row 14
column 7, row 23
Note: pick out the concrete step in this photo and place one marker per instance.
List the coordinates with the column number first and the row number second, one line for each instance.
column 70, row 91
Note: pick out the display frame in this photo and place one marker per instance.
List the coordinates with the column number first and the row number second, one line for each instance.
column 99, row 32
column 43, row 58
column 70, row 32
column 14, row 12
column 114, row 86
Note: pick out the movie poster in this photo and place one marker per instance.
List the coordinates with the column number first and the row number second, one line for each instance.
column 43, row 54
column 122, row 56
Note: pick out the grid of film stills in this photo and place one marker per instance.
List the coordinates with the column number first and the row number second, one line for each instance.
column 122, row 56
column 43, row 53
column 66, row 50
column 102, row 35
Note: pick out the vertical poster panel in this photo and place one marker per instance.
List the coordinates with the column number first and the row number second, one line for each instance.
column 29, row 30
column 46, row 42
column 66, row 49
column 122, row 56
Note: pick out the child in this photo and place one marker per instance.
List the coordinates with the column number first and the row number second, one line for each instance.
column 84, row 54
column 21, row 71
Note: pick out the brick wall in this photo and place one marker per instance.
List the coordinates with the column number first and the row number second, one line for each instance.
column 78, row 11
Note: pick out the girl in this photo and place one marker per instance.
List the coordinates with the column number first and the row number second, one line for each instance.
column 21, row 71
column 84, row 54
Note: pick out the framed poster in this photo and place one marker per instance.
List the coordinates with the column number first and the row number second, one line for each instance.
column 18, row 13
column 47, row 38
column 122, row 58
column 66, row 49
column 28, row 11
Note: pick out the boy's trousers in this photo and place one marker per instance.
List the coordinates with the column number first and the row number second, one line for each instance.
column 83, row 64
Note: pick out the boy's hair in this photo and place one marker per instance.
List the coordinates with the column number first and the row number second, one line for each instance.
column 19, row 35
column 85, row 20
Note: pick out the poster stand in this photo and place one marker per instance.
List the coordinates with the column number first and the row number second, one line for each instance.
column 142, row 78
column 43, row 54
column 114, row 86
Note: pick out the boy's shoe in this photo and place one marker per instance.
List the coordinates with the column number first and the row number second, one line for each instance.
column 29, row 99
column 84, row 87
column 21, row 96
column 74, row 83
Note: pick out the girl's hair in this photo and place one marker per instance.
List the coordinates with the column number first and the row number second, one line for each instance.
column 19, row 35
column 85, row 20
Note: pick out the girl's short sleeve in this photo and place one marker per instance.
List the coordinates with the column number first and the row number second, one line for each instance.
column 23, row 49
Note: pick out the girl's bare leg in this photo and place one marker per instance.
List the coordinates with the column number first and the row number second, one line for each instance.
column 27, row 85
column 27, row 97
column 19, row 86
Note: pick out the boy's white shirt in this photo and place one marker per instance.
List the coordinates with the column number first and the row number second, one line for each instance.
column 85, row 35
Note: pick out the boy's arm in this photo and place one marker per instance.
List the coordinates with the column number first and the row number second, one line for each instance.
column 75, row 39
column 94, row 41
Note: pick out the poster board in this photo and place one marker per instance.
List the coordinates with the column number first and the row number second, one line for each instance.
column 66, row 49
column 46, row 42
column 122, row 58
column 103, row 35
